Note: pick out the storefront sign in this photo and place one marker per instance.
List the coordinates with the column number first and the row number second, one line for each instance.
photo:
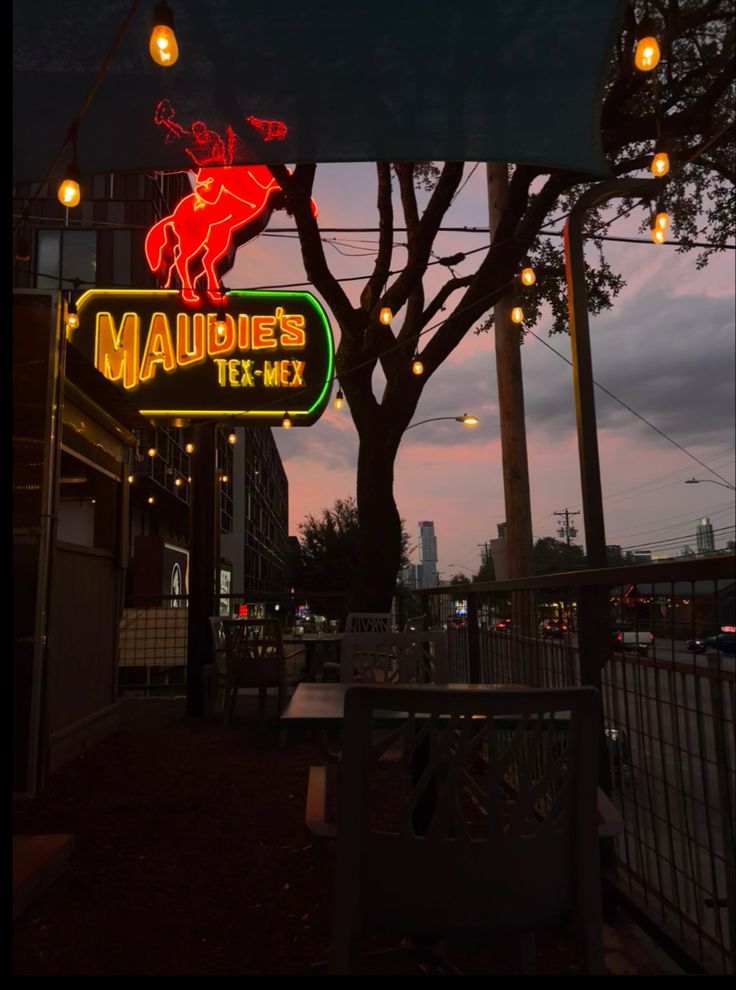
column 272, row 354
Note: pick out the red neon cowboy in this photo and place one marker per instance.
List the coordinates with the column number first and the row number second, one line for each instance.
column 230, row 205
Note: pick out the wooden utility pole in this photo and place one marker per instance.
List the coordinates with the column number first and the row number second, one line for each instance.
column 511, row 406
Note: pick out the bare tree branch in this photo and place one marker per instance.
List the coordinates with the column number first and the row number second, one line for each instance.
column 376, row 282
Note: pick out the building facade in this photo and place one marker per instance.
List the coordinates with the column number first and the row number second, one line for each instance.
column 704, row 536
column 428, row 554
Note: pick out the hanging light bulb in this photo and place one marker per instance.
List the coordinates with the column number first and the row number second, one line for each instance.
column 232, row 437
column 658, row 235
column 178, row 482
column 286, row 422
column 151, row 500
column 23, row 246
column 151, row 451
column 162, row 45
column 68, row 192
column 660, row 164
column 131, row 478
column 386, row 316
column 72, row 317
column 225, row 478
column 527, row 276
column 189, row 448
column 417, row 367
column 517, row 314
column 662, row 220
column 647, row 53
column 339, row 399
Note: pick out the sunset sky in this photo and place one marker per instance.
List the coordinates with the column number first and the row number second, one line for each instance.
column 666, row 349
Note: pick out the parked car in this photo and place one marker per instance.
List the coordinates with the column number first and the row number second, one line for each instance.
column 501, row 626
column 723, row 642
column 627, row 638
column 553, row 627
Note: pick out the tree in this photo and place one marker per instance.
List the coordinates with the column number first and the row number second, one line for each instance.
column 551, row 556
column 459, row 579
column 329, row 547
column 691, row 111
column 485, row 571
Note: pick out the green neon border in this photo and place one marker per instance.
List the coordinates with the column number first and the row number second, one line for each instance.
column 248, row 293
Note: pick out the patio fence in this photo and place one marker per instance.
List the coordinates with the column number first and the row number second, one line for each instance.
column 668, row 718
column 668, row 712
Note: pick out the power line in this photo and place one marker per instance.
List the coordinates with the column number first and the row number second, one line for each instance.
column 633, row 411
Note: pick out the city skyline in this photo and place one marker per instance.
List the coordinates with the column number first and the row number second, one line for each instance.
column 665, row 350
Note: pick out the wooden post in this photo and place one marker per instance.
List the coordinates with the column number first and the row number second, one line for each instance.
column 511, row 406
column 204, row 526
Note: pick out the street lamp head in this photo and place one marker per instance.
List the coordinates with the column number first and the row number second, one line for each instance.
column 710, row 481
column 467, row 420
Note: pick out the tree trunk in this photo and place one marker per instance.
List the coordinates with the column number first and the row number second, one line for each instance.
column 377, row 566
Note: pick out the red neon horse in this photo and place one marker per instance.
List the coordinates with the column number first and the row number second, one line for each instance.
column 229, row 206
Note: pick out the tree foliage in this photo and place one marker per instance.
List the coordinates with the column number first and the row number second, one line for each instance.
column 329, row 546
column 687, row 103
column 552, row 556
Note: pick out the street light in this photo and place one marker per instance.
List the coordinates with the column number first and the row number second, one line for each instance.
column 465, row 419
column 712, row 481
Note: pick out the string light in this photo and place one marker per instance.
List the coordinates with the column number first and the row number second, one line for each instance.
column 386, row 316
column 417, row 367
column 647, row 53
column 163, row 46
column 225, row 478
column 232, row 437
column 151, row 451
column 178, row 482
column 220, row 320
column 286, row 422
column 131, row 478
column 662, row 220
column 658, row 235
column 660, row 164
column 189, row 448
column 517, row 314
column 72, row 317
column 527, row 276
column 69, row 193
column 339, row 399
column 23, row 246
column 151, row 499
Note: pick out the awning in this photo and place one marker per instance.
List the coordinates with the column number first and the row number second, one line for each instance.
column 349, row 80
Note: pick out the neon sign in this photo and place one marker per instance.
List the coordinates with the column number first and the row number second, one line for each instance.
column 273, row 353
column 230, row 205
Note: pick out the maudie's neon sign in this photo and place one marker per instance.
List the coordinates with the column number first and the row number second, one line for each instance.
column 272, row 353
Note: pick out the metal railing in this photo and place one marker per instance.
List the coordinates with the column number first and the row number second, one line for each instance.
column 669, row 717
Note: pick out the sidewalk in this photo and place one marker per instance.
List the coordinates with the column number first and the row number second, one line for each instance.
column 191, row 857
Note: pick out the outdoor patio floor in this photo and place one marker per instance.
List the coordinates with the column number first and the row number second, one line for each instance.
column 191, row 857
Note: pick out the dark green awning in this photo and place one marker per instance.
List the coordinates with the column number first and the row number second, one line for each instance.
column 352, row 80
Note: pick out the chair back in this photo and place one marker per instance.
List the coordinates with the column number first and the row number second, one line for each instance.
column 218, row 643
column 393, row 658
column 367, row 622
column 488, row 822
column 254, row 651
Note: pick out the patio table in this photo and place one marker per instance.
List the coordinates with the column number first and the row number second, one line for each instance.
column 316, row 646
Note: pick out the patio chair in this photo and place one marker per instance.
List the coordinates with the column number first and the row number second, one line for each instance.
column 254, row 658
column 389, row 658
column 488, row 826
column 367, row 622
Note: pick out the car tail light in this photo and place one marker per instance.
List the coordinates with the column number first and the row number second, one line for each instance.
column 651, row 637
column 619, row 636
column 563, row 628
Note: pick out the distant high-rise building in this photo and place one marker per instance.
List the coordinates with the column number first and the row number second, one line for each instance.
column 704, row 536
column 428, row 555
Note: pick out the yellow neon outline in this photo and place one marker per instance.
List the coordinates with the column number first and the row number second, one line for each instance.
column 249, row 293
